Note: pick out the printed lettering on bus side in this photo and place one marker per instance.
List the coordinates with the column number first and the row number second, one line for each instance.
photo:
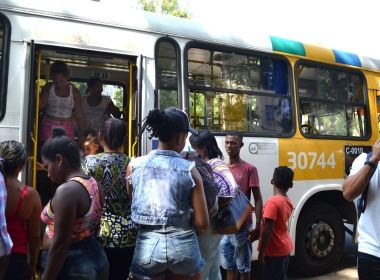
column 311, row 160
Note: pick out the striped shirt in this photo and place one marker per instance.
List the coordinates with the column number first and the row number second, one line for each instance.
column 5, row 239
column 223, row 178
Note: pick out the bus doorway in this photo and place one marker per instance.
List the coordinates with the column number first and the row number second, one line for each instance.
column 118, row 73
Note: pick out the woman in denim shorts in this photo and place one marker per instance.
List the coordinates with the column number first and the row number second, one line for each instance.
column 167, row 200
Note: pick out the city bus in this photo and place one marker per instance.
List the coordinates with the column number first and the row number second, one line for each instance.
column 311, row 108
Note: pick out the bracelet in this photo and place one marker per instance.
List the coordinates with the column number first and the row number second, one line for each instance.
column 370, row 164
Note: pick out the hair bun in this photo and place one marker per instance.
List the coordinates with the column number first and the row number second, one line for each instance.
column 58, row 132
column 156, row 117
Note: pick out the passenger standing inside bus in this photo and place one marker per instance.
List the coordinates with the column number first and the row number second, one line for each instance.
column 72, row 216
column 166, row 190
column 236, row 249
column 96, row 107
column 363, row 172
column 61, row 104
column 60, row 101
column 23, row 214
column 275, row 244
column 117, row 232
column 5, row 240
column 206, row 146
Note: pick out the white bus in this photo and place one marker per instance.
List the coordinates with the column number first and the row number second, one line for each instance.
column 311, row 108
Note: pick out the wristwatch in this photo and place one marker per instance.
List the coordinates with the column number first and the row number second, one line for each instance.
column 371, row 164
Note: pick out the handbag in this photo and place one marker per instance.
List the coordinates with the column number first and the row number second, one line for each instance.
column 233, row 215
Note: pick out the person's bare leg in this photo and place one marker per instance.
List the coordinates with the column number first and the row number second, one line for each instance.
column 245, row 276
column 231, row 274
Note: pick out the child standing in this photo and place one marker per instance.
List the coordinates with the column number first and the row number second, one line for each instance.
column 275, row 244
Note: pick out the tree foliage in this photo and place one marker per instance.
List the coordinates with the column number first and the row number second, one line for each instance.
column 168, row 7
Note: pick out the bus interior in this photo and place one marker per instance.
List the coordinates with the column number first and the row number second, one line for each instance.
column 118, row 73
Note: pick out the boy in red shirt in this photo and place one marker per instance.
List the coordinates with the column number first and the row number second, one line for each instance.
column 275, row 244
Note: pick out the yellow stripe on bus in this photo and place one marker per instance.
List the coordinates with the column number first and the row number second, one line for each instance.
column 319, row 53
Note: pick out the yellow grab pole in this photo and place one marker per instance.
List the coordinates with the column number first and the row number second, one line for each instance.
column 35, row 136
column 130, row 104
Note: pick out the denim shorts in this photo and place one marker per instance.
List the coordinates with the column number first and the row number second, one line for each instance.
column 85, row 260
column 160, row 249
column 236, row 251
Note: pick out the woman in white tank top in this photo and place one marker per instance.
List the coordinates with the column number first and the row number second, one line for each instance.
column 61, row 103
column 96, row 107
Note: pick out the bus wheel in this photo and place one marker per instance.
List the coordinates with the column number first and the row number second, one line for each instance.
column 319, row 240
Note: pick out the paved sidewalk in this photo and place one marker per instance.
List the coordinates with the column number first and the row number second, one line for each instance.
column 345, row 274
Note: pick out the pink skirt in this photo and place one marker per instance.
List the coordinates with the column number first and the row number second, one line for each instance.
column 48, row 124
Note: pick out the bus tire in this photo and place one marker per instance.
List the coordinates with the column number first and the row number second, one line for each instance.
column 319, row 240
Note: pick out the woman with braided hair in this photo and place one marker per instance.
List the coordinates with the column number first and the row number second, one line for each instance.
column 22, row 212
column 166, row 189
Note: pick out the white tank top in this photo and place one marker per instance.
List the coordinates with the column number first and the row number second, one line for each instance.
column 94, row 116
column 60, row 107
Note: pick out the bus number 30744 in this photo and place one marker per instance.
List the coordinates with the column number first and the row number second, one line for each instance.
column 311, row 160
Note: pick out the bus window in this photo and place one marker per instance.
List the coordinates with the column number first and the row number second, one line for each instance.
column 167, row 69
column 4, row 58
column 231, row 91
column 332, row 102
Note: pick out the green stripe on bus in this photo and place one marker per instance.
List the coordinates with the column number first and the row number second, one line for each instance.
column 287, row 46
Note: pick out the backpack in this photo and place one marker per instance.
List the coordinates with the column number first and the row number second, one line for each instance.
column 210, row 189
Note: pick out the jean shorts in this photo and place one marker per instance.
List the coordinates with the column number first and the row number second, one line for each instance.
column 236, row 251
column 85, row 260
column 160, row 249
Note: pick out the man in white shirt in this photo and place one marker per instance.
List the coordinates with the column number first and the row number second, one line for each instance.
column 369, row 223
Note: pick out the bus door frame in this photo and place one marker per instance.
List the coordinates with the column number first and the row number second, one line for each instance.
column 33, row 122
column 134, row 99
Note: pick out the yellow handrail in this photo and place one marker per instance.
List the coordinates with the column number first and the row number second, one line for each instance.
column 35, row 136
column 130, row 104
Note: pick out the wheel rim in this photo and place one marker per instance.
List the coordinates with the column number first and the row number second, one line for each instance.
column 320, row 240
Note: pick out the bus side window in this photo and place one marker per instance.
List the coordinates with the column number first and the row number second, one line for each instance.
column 332, row 102
column 229, row 90
column 167, row 73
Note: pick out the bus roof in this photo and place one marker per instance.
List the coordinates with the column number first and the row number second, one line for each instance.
column 104, row 13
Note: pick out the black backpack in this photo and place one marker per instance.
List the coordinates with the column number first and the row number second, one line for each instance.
column 209, row 186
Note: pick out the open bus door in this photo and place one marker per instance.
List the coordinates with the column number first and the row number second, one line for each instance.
column 119, row 75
